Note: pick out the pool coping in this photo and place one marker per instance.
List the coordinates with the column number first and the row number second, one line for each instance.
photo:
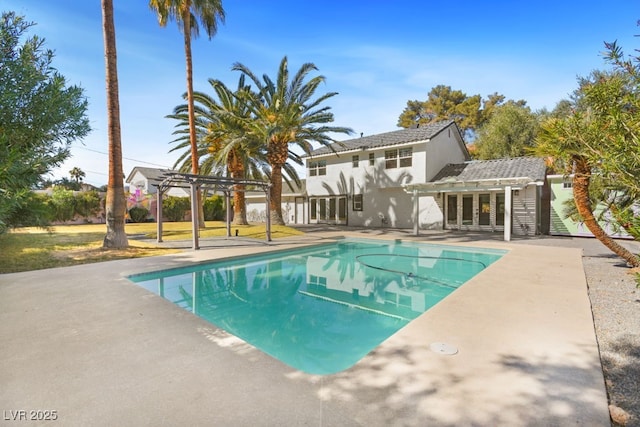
column 98, row 349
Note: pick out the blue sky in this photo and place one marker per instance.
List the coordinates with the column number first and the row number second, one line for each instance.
column 376, row 54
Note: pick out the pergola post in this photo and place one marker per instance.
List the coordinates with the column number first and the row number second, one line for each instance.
column 159, row 216
column 227, row 200
column 507, row 213
column 416, row 212
column 194, row 214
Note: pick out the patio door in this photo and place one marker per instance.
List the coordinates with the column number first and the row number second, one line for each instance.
column 484, row 209
column 328, row 210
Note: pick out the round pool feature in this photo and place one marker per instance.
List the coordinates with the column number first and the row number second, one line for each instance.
column 443, row 348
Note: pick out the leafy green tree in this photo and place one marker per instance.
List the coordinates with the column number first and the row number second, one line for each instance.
column 40, row 115
column 285, row 113
column 443, row 103
column 190, row 15
column 63, row 202
column 510, row 132
column 35, row 210
column 116, row 203
column 65, row 182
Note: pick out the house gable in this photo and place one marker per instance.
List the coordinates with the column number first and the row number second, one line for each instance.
column 148, row 179
column 415, row 134
column 384, row 161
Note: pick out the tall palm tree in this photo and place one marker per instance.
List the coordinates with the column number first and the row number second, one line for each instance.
column 284, row 113
column 225, row 148
column 230, row 143
column 116, row 203
column 189, row 15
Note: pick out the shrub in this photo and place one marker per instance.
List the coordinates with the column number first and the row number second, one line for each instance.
column 138, row 214
column 175, row 208
column 63, row 204
column 214, row 208
column 34, row 210
column 87, row 204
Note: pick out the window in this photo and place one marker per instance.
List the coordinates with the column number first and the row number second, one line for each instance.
column 357, row 202
column 355, row 160
column 372, row 159
column 391, row 159
column 500, row 199
column 398, row 158
column 567, row 184
column 405, row 157
column 452, row 209
column 318, row 168
column 467, row 209
column 318, row 281
column 484, row 216
column 342, row 208
column 313, row 211
column 322, row 209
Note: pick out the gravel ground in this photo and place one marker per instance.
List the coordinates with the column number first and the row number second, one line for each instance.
column 615, row 302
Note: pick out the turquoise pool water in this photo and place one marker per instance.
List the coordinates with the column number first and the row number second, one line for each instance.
column 321, row 308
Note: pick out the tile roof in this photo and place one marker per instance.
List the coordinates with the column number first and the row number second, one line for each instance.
column 421, row 133
column 153, row 175
column 518, row 167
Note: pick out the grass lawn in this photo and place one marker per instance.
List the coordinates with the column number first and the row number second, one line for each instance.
column 29, row 248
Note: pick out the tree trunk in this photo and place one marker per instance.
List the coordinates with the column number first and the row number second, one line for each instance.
column 116, row 203
column 195, row 161
column 236, row 168
column 275, row 193
column 581, row 180
column 239, row 206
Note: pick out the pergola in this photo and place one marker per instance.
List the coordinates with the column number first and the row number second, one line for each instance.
column 195, row 182
column 456, row 185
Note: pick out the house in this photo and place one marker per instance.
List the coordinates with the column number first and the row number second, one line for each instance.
column 361, row 182
column 143, row 188
column 293, row 201
column 145, row 181
column 420, row 178
column 561, row 189
column 508, row 195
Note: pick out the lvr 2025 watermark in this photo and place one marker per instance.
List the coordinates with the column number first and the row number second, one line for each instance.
column 29, row 415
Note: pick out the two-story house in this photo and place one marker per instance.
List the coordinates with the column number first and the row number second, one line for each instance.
column 417, row 178
column 423, row 178
column 360, row 182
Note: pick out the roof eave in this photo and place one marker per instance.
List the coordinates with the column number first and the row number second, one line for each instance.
column 490, row 184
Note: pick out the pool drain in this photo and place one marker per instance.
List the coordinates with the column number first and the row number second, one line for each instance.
column 443, row 348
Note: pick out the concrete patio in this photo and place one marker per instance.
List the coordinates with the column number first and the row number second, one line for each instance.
column 99, row 350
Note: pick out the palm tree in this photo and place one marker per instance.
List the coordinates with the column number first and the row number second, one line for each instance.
column 77, row 174
column 116, row 202
column 563, row 140
column 189, row 15
column 225, row 148
column 284, row 113
column 230, row 143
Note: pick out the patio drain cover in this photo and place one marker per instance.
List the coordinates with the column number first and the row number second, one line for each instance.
column 443, row 348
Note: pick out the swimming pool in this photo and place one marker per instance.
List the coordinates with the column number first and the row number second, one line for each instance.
column 321, row 308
